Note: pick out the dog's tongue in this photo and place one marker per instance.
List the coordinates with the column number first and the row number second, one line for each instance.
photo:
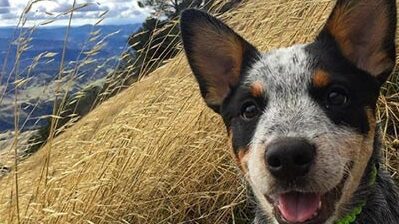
column 298, row 207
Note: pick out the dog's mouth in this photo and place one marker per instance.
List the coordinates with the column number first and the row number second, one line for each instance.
column 299, row 207
column 295, row 207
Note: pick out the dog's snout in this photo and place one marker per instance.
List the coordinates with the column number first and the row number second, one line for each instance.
column 289, row 158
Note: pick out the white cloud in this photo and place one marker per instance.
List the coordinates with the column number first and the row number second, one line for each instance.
column 7, row 16
column 4, row 3
column 4, row 7
column 118, row 11
column 4, row 10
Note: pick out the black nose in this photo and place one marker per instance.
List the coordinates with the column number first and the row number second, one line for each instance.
column 289, row 158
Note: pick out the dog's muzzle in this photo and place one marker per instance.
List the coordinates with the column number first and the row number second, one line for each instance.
column 289, row 159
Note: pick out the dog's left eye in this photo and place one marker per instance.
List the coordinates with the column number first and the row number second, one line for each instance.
column 337, row 97
column 249, row 110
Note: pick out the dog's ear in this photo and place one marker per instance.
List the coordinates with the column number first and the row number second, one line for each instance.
column 216, row 54
column 365, row 33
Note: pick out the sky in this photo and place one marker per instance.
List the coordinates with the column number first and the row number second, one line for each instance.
column 118, row 12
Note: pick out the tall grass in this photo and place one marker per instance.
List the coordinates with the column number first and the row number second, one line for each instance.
column 57, row 91
column 154, row 153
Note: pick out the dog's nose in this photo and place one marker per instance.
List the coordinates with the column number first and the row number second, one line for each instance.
column 289, row 158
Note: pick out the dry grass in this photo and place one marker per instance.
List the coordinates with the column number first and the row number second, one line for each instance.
column 155, row 153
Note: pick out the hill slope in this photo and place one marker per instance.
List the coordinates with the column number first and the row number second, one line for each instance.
column 154, row 153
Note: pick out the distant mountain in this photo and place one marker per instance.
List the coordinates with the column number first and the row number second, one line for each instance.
column 41, row 84
column 79, row 33
column 52, row 40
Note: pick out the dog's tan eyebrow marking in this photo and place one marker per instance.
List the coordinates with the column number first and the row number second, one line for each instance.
column 321, row 78
column 256, row 89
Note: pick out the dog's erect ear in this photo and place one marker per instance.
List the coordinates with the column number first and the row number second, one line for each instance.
column 216, row 54
column 365, row 33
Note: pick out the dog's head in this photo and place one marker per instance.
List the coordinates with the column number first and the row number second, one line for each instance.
column 301, row 118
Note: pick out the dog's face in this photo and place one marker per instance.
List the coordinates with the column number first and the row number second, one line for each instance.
column 301, row 118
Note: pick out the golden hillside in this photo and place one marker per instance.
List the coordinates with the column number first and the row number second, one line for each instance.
column 155, row 153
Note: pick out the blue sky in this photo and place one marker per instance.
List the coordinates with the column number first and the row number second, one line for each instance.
column 118, row 12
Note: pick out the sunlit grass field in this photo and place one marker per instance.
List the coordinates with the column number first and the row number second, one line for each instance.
column 154, row 153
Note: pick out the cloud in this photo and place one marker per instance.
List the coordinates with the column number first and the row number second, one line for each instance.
column 118, row 11
column 4, row 6
column 94, row 8
column 124, row 1
column 90, row 7
column 4, row 3
column 63, row 7
column 4, row 10
column 7, row 16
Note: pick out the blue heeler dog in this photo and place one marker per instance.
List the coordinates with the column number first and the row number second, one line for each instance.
column 302, row 119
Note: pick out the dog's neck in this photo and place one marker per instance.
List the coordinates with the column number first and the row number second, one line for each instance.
column 381, row 198
column 376, row 197
column 370, row 180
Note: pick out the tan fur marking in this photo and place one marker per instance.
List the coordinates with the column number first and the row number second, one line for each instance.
column 242, row 157
column 242, row 160
column 372, row 122
column 230, row 143
column 380, row 62
column 361, row 157
column 219, row 62
column 364, row 47
column 338, row 28
column 321, row 78
column 256, row 89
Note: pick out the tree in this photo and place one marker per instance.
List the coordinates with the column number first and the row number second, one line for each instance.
column 172, row 8
column 156, row 41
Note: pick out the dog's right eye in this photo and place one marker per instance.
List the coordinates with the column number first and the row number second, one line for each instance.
column 249, row 110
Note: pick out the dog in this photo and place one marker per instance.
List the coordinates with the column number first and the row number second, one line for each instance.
column 302, row 119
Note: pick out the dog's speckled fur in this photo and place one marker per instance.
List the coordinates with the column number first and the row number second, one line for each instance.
column 382, row 200
column 289, row 87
